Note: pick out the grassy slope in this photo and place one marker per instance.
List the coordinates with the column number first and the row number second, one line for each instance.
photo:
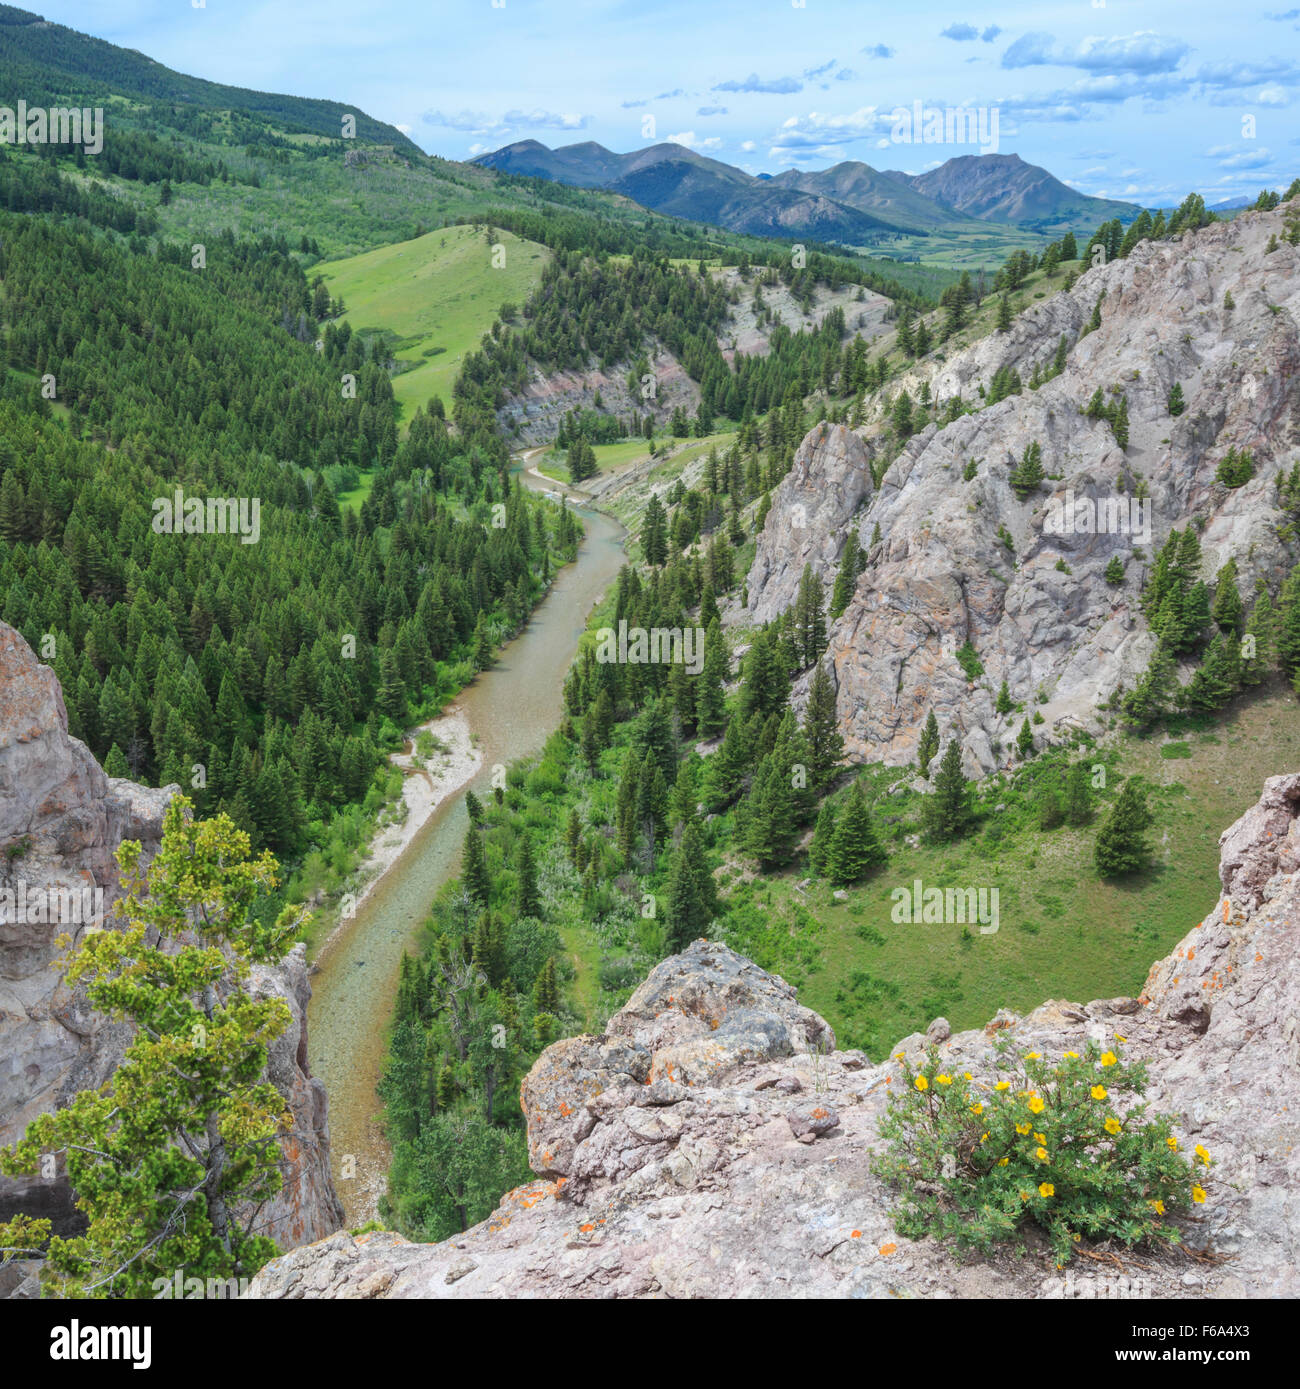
column 1064, row 932
column 439, row 291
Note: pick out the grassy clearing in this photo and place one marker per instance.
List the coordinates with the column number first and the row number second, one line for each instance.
column 1063, row 931
column 433, row 298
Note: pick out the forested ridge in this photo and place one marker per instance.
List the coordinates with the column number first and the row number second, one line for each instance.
column 283, row 668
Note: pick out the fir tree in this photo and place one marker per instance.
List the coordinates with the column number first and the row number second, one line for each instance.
column 1078, row 795
column 1176, row 403
column 946, row 813
column 691, row 897
column 1114, row 574
column 1227, row 609
column 474, row 870
column 1028, row 473
column 528, row 900
column 1003, row 703
column 1121, row 842
column 823, row 832
column 855, row 847
column 852, row 562
column 822, row 730
column 1025, row 741
column 928, row 744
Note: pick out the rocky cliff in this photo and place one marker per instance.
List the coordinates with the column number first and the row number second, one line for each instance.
column 713, row 1143
column 61, row 820
column 959, row 560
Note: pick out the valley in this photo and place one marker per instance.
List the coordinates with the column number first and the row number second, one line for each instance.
column 653, row 715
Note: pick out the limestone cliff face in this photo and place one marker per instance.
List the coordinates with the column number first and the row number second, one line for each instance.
column 61, row 821
column 942, row 573
column 712, row 1143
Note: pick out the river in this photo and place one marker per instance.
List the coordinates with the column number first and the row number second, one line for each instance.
column 512, row 708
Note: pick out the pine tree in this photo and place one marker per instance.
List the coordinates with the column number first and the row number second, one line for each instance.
column 1121, row 842
column 691, row 897
column 946, row 813
column 852, row 562
column 1078, row 795
column 391, row 699
column 855, row 847
column 1227, row 609
column 1003, row 703
column 810, row 620
column 474, row 870
column 1259, row 643
column 1176, row 403
column 1152, row 696
column 1215, row 681
column 654, row 543
column 1114, row 574
column 822, row 730
column 928, row 743
column 710, row 696
column 528, row 900
column 820, row 847
column 1025, row 741
column 1119, row 421
column 1028, row 473
column 1004, row 314
column 172, row 1160
column 546, row 989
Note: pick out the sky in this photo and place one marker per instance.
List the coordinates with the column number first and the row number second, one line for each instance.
column 1144, row 100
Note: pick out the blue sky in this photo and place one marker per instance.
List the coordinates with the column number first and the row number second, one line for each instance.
column 1139, row 99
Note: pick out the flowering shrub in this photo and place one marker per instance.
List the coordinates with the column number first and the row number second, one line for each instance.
column 1067, row 1144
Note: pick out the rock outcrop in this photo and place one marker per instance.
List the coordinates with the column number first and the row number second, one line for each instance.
column 61, row 821
column 963, row 559
column 713, row 1143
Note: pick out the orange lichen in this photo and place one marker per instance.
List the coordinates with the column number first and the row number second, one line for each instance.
column 888, row 1249
column 855, row 1234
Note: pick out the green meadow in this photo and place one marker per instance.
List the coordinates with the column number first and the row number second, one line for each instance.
column 433, row 298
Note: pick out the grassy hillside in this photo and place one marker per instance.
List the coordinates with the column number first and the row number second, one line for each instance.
column 1063, row 932
column 433, row 298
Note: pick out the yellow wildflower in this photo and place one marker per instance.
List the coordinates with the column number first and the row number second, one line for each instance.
column 1041, row 1154
column 1098, row 1092
column 1198, row 1194
column 1202, row 1155
column 943, row 1080
column 1040, row 1138
column 1002, row 1162
column 1112, row 1125
column 922, row 1083
column 1036, row 1105
column 1157, row 1206
column 1108, row 1058
column 1032, row 1055
column 1070, row 1056
column 968, row 1075
column 1172, row 1143
column 1023, row 1128
column 1003, row 1085
column 1047, row 1189
column 977, row 1109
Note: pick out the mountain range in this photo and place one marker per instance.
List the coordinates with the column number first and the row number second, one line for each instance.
column 850, row 202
